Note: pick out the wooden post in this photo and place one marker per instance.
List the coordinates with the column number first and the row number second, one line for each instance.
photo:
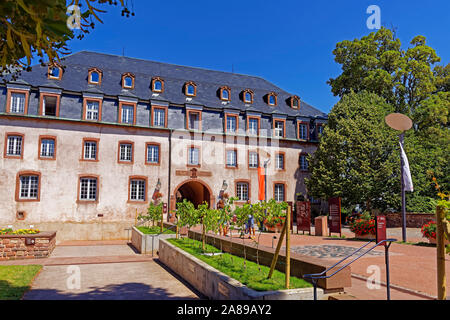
column 440, row 254
column 277, row 251
column 288, row 247
column 162, row 218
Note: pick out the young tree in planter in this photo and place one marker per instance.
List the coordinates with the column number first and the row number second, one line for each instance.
column 209, row 219
column 153, row 214
column 259, row 213
column 187, row 215
column 225, row 215
column 242, row 216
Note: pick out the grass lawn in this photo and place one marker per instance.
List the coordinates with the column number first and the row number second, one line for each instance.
column 16, row 280
column 253, row 276
column 155, row 230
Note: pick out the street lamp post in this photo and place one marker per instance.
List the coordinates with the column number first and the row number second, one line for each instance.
column 400, row 122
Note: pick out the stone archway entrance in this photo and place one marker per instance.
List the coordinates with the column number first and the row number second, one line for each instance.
column 194, row 190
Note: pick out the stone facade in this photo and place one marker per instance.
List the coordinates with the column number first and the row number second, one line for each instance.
column 110, row 215
column 13, row 247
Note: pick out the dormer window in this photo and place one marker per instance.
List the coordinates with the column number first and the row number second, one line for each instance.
column 157, row 84
column 128, row 80
column 272, row 99
column 295, row 102
column 247, row 96
column 190, row 89
column 95, row 76
column 225, row 93
column 55, row 72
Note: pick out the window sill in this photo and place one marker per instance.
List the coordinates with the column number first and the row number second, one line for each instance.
column 13, row 157
column 28, row 200
column 89, row 160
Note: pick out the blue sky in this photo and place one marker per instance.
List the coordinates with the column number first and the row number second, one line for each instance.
column 289, row 43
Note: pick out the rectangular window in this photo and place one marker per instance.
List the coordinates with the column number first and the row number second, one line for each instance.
column 127, row 114
column 14, row 147
column 194, row 120
column 303, row 162
column 242, row 191
column 90, row 150
column 303, row 131
column 126, row 152
column 194, row 156
column 92, row 109
column 253, row 126
column 279, row 192
column 47, row 148
column 29, row 187
column 152, row 154
column 279, row 161
column 137, row 190
column 253, row 160
column 231, row 123
column 232, row 158
column 279, row 129
column 159, row 117
column 88, row 189
column 319, row 130
column 49, row 105
column 17, row 102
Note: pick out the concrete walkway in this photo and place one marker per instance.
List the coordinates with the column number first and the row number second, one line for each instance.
column 104, row 272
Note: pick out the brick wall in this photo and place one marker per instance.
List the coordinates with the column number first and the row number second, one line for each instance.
column 14, row 247
column 413, row 220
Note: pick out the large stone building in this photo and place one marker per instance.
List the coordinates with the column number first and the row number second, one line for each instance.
column 87, row 143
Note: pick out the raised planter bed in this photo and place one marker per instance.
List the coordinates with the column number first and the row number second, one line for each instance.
column 368, row 236
column 147, row 243
column 300, row 264
column 27, row 246
column 217, row 285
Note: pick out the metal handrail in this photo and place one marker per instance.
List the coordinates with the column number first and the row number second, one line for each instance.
column 315, row 276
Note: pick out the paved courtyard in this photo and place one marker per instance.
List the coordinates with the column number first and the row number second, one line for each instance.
column 105, row 272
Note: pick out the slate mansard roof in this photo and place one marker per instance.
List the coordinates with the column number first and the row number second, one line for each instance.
column 75, row 79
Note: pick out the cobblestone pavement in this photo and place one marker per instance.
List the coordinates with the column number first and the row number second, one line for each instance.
column 328, row 251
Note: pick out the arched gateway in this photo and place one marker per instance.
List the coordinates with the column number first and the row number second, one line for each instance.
column 194, row 190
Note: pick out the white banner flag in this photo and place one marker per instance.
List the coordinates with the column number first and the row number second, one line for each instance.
column 407, row 181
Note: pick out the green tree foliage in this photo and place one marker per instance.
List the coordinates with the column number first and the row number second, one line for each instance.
column 377, row 63
column 30, row 28
column 187, row 215
column 356, row 158
column 411, row 82
column 154, row 213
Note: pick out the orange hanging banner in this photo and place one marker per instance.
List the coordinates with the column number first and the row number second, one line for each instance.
column 261, row 194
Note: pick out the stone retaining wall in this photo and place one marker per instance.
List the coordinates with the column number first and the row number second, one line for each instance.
column 218, row 286
column 14, row 247
column 146, row 243
column 413, row 220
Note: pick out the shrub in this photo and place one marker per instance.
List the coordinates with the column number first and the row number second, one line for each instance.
column 18, row 231
column 363, row 226
column 429, row 230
